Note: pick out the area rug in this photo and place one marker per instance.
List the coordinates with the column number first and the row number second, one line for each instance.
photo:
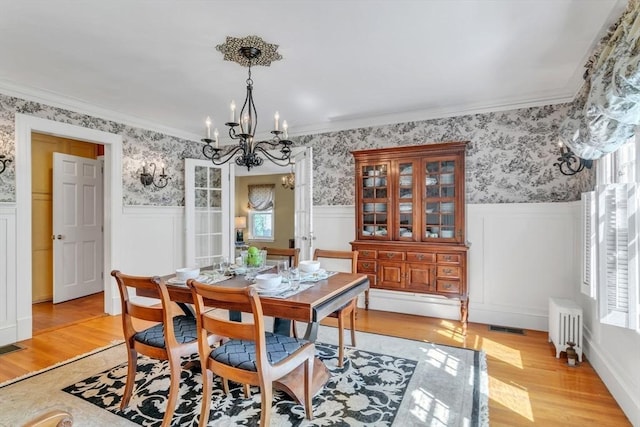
column 385, row 381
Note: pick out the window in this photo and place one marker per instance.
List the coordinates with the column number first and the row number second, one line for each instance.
column 615, row 272
column 261, row 205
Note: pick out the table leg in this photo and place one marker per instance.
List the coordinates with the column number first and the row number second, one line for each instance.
column 293, row 383
column 311, row 334
column 186, row 309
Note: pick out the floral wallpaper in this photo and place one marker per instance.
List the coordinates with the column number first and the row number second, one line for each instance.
column 510, row 154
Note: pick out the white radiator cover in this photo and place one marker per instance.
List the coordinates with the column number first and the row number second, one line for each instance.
column 565, row 324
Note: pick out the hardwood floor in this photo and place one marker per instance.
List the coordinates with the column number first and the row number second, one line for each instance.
column 527, row 384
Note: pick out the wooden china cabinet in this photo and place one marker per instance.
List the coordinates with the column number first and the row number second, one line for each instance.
column 410, row 220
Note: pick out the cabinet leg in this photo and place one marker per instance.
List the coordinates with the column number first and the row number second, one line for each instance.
column 366, row 299
column 464, row 314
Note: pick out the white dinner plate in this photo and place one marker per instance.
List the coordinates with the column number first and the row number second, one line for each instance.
column 176, row 281
column 283, row 287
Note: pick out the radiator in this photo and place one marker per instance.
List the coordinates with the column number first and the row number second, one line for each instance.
column 565, row 324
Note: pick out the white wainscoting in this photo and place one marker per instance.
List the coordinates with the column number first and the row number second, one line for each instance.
column 8, row 297
column 519, row 256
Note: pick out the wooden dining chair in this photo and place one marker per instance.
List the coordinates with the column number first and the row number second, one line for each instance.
column 251, row 356
column 170, row 338
column 348, row 310
column 53, row 418
column 291, row 254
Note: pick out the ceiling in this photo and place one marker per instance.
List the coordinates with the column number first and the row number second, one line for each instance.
column 346, row 64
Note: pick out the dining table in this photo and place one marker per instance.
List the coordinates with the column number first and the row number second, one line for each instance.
column 310, row 306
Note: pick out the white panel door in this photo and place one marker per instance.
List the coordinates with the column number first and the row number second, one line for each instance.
column 304, row 204
column 77, row 227
column 207, row 213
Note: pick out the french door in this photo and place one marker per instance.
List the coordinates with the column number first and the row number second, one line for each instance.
column 207, row 212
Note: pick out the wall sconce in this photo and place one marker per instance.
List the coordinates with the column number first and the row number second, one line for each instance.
column 570, row 164
column 4, row 161
column 289, row 181
column 147, row 178
column 240, row 223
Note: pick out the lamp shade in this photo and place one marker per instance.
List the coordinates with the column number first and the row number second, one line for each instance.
column 240, row 222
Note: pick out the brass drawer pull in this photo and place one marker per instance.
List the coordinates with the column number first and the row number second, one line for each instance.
column 365, row 265
column 390, row 255
column 365, row 253
column 420, row 257
column 448, row 258
column 447, row 285
column 447, row 270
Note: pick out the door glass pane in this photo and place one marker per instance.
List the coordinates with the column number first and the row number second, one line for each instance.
column 439, row 215
column 200, row 176
column 208, row 221
column 215, row 200
column 375, row 203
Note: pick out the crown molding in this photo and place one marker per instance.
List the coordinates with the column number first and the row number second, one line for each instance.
column 335, row 124
column 343, row 123
column 56, row 100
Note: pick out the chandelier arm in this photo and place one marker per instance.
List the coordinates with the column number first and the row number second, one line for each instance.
column 218, row 159
column 286, row 156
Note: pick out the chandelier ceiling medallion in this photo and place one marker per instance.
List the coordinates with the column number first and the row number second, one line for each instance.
column 248, row 51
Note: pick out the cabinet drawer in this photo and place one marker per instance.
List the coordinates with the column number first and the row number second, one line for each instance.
column 367, row 266
column 420, row 257
column 448, row 271
column 391, row 255
column 448, row 286
column 449, row 258
column 367, row 254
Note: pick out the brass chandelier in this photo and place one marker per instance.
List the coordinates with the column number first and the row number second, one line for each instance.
column 248, row 51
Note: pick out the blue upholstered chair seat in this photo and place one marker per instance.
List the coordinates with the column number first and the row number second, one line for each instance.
column 242, row 353
column 184, row 327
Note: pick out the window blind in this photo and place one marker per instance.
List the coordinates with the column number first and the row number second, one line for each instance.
column 589, row 248
column 618, row 253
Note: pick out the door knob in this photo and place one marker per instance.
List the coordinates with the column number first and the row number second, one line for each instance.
column 59, row 237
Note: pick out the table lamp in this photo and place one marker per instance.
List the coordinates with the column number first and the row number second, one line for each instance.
column 240, row 224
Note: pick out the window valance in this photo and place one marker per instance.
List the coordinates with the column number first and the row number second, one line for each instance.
column 609, row 110
column 261, row 196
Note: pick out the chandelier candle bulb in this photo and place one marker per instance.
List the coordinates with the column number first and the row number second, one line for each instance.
column 215, row 136
column 277, row 119
column 285, row 126
column 208, row 123
column 233, row 111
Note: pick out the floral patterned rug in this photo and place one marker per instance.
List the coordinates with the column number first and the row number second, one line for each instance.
column 368, row 389
column 385, row 381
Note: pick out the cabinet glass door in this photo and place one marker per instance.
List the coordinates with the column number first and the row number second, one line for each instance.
column 405, row 188
column 440, row 199
column 375, row 200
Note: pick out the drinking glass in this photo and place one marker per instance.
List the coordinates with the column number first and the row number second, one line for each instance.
column 294, row 278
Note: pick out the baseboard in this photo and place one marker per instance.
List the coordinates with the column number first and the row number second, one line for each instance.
column 620, row 389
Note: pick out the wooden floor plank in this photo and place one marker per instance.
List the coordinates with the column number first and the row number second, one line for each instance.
column 527, row 386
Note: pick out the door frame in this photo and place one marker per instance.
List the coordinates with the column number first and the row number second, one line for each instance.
column 112, row 208
column 267, row 168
